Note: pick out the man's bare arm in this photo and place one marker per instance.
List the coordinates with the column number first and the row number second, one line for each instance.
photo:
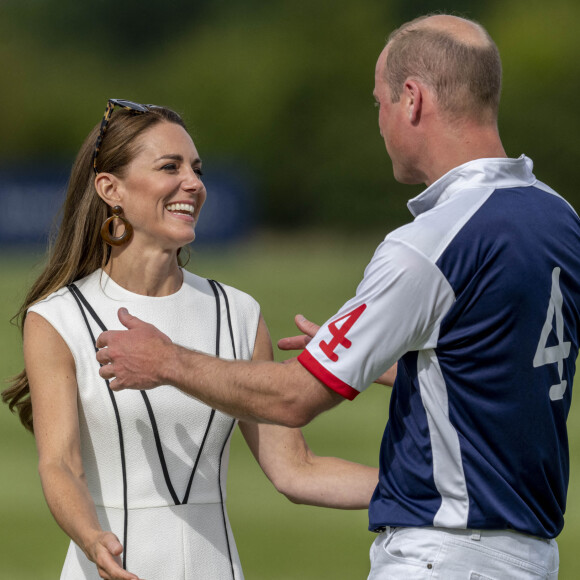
column 142, row 357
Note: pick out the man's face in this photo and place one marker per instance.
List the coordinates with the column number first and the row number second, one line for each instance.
column 390, row 126
column 382, row 94
column 394, row 126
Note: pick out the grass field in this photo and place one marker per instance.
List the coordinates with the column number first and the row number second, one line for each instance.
column 276, row 539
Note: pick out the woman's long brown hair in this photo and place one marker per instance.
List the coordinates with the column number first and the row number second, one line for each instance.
column 78, row 249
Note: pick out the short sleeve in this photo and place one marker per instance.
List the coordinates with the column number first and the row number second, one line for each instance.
column 397, row 308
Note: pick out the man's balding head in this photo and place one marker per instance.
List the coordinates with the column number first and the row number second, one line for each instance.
column 455, row 58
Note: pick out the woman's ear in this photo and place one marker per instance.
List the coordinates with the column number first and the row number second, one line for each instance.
column 107, row 186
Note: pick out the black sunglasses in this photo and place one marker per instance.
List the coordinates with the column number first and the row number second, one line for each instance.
column 111, row 104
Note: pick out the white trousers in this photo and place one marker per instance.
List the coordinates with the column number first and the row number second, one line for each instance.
column 446, row 554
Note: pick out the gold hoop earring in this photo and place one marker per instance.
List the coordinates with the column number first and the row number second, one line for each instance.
column 106, row 228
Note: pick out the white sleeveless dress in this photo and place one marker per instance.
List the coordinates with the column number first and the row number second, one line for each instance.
column 156, row 461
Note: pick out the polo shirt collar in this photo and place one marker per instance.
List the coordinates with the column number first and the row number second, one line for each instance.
column 496, row 173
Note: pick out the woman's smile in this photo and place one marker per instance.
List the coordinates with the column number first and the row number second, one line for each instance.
column 182, row 210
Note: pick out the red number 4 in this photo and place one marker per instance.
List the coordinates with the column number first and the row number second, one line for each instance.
column 339, row 334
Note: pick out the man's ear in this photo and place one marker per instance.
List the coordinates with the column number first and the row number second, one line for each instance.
column 413, row 98
column 107, row 186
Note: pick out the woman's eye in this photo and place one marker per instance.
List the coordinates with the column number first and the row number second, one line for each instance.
column 170, row 167
column 198, row 171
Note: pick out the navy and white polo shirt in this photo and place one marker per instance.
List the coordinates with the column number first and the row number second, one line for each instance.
column 478, row 299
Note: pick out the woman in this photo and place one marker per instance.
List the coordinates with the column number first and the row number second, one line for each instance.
column 137, row 480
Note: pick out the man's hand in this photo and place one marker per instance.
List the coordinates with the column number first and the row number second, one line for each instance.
column 133, row 357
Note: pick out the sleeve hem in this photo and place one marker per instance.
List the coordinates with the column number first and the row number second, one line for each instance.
column 322, row 374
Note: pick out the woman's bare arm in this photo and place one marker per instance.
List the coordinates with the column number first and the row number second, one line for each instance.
column 295, row 470
column 53, row 389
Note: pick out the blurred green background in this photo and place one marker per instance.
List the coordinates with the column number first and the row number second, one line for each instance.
column 282, row 90
column 308, row 273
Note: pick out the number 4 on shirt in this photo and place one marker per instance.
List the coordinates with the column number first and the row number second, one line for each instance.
column 339, row 333
column 546, row 355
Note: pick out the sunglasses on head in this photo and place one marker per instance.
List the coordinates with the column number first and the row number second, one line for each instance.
column 135, row 108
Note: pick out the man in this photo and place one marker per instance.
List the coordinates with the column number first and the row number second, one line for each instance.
column 477, row 299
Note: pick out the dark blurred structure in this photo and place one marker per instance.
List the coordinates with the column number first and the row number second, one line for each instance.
column 31, row 197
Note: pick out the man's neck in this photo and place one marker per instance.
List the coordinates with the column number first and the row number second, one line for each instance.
column 451, row 148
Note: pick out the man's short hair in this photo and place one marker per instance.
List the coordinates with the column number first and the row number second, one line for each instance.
column 465, row 77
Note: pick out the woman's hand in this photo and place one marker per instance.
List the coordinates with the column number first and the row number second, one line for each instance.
column 299, row 342
column 309, row 329
column 105, row 551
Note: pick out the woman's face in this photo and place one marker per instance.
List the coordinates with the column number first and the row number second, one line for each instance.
column 162, row 192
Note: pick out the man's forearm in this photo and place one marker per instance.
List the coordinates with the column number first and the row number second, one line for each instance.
column 269, row 392
column 251, row 391
column 142, row 357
